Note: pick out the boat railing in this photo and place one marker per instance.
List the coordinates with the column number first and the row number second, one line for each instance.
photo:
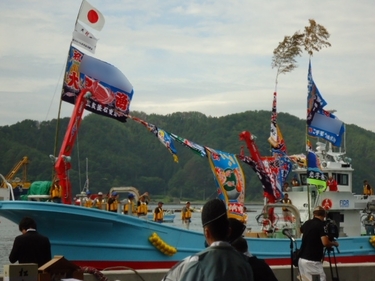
column 293, row 210
column 9, row 187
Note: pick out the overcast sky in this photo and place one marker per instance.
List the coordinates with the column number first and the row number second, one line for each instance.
column 208, row 56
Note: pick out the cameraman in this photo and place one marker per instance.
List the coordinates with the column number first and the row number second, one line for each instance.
column 314, row 239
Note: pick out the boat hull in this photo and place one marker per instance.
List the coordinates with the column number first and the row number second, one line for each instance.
column 90, row 237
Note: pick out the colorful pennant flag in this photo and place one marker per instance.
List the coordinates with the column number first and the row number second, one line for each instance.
column 192, row 145
column 261, row 167
column 163, row 136
column 230, row 180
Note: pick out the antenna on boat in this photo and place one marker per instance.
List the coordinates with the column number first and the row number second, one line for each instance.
column 86, row 185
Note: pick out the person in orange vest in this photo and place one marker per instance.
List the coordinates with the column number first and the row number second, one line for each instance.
column 367, row 189
column 112, row 202
column 186, row 215
column 56, row 192
column 295, row 181
column 286, row 212
column 158, row 213
column 87, row 201
column 142, row 204
column 99, row 201
column 130, row 207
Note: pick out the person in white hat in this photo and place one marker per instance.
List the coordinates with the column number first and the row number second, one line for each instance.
column 99, row 201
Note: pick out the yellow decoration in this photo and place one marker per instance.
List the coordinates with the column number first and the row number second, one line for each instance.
column 372, row 240
column 161, row 245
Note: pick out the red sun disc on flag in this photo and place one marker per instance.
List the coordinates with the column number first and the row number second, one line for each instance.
column 92, row 16
column 327, row 204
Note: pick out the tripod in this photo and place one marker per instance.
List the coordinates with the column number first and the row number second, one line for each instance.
column 328, row 251
column 287, row 233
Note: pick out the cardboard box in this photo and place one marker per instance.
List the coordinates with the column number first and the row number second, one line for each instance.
column 21, row 272
column 59, row 268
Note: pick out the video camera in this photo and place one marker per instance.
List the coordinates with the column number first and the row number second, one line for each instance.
column 331, row 229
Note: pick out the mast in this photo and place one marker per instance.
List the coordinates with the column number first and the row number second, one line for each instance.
column 62, row 163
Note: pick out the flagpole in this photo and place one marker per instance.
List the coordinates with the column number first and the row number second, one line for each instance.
column 60, row 103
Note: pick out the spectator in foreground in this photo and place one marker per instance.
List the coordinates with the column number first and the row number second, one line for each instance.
column 261, row 270
column 219, row 261
column 30, row 246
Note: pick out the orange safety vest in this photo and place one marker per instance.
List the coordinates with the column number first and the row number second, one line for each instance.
column 142, row 208
column 286, row 201
column 367, row 190
column 56, row 191
column 98, row 203
column 88, row 203
column 186, row 213
column 159, row 215
column 132, row 207
column 112, row 206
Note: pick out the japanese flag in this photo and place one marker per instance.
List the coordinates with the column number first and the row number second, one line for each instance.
column 91, row 16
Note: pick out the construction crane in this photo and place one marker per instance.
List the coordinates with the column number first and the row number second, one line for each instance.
column 10, row 177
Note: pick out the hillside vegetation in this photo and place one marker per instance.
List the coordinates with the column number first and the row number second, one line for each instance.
column 126, row 154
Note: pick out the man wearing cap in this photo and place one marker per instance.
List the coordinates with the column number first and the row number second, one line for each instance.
column 219, row 261
column 158, row 213
column 87, row 200
column 99, row 201
column 112, row 202
column 186, row 215
column 314, row 239
column 129, row 207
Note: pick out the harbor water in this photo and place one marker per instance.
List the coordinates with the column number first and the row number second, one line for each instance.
column 9, row 230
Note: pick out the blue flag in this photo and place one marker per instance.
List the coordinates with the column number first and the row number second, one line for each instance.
column 321, row 123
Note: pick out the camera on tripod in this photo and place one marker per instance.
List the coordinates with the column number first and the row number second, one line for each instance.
column 331, row 229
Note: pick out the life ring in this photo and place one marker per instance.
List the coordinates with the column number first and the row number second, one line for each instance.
column 92, row 270
column 327, row 204
column 161, row 245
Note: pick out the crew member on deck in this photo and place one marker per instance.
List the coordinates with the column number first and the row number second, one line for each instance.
column 99, row 201
column 286, row 187
column 368, row 223
column 286, row 212
column 88, row 201
column 112, row 202
column 332, row 184
column 295, row 181
column 56, row 192
column 142, row 204
column 367, row 189
column 158, row 213
column 129, row 207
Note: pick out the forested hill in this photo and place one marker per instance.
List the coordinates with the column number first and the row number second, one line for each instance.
column 127, row 154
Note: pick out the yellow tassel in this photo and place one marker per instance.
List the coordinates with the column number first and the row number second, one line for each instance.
column 161, row 245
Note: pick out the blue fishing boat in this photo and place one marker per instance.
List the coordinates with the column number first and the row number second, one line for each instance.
column 103, row 239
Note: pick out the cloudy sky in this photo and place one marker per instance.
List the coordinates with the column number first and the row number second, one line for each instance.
column 208, row 56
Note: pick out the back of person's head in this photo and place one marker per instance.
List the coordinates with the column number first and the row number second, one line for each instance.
column 236, row 229
column 214, row 217
column 319, row 212
column 26, row 223
column 240, row 244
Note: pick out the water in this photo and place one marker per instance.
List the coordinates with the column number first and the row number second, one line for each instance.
column 9, row 230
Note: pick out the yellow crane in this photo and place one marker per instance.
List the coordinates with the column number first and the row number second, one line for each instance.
column 18, row 181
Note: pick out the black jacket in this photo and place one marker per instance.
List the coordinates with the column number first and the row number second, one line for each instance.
column 31, row 247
